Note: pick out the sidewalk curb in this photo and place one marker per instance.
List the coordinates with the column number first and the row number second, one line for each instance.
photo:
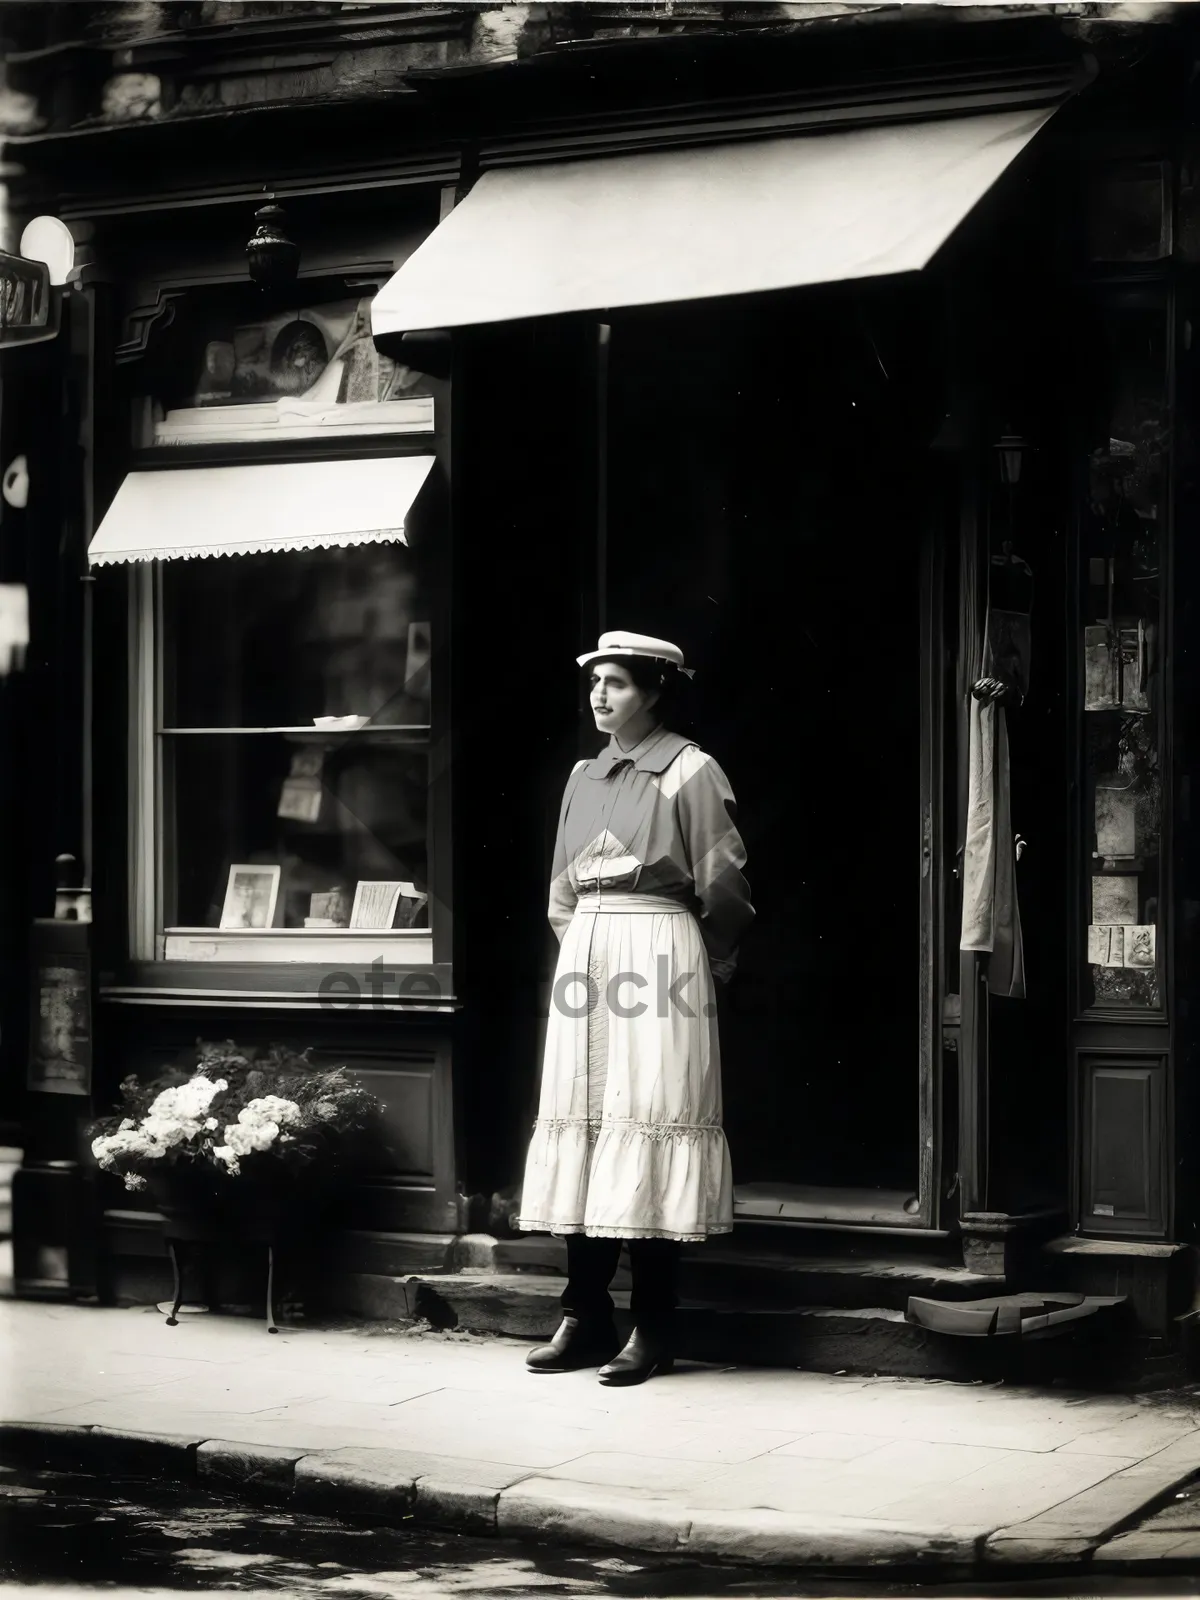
column 397, row 1487
column 1096, row 1515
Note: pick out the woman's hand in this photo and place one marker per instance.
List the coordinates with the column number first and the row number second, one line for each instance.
column 994, row 691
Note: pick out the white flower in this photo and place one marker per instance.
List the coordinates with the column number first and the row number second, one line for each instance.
column 245, row 1138
column 270, row 1108
column 325, row 1109
column 187, row 1102
column 223, row 1153
column 177, row 1115
column 127, row 1143
column 134, row 1180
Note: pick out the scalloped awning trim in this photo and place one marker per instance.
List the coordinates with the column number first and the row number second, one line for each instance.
column 188, row 513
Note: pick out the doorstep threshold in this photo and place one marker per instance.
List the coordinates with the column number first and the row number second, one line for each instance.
column 793, row 1202
column 874, row 1229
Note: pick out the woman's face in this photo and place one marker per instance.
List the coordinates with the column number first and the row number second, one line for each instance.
column 615, row 698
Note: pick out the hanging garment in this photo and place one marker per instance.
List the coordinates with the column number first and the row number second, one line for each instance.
column 649, row 902
column 991, row 917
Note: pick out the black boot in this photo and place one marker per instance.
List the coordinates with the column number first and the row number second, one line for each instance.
column 576, row 1344
column 645, row 1354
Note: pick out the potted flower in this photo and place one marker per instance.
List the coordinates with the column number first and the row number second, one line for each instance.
column 235, row 1139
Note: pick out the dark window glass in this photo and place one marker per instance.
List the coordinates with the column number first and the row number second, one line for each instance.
column 1121, row 645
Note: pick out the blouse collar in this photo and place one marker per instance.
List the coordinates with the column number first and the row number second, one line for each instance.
column 655, row 753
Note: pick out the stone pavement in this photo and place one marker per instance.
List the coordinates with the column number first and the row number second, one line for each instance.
column 742, row 1464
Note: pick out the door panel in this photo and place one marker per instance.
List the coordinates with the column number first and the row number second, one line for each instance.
column 1124, row 1169
column 766, row 511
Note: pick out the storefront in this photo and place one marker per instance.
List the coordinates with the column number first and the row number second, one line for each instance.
column 804, row 483
column 807, row 387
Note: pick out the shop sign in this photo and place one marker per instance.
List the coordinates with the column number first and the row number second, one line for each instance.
column 60, row 1056
column 24, row 299
column 32, row 283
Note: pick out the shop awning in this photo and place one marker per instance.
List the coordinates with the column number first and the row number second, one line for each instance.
column 690, row 224
column 178, row 512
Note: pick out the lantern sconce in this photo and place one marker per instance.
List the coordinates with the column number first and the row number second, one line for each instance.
column 1011, row 449
column 272, row 258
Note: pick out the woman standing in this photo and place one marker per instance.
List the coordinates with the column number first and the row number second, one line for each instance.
column 649, row 903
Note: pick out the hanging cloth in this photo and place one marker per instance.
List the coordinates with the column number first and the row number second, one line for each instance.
column 991, row 915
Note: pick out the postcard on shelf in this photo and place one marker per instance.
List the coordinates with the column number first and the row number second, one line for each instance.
column 1114, row 898
column 251, row 896
column 1116, row 826
column 300, row 800
column 375, row 902
column 1106, row 944
column 1097, row 944
column 411, row 901
column 1140, row 947
column 331, row 909
column 1101, row 691
column 300, row 795
column 307, row 762
column 1131, row 654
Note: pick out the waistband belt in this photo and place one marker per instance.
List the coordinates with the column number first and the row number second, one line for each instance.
column 624, row 902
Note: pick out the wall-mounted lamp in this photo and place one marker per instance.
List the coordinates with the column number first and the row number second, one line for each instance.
column 1011, row 449
column 270, row 255
column 34, row 283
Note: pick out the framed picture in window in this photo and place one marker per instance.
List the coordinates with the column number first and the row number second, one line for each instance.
column 251, row 896
column 298, row 374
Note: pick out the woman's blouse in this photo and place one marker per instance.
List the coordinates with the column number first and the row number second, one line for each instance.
column 659, row 819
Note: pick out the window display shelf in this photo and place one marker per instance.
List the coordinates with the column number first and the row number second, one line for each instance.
column 1119, row 866
column 335, row 947
column 420, row 730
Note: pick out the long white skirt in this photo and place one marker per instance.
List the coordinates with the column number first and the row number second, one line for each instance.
column 628, row 1142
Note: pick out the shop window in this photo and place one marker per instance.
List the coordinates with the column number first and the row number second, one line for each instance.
column 1121, row 665
column 230, row 373
column 282, row 745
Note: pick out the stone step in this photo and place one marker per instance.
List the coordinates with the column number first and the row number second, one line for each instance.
column 865, row 1340
column 727, row 1275
column 355, row 1250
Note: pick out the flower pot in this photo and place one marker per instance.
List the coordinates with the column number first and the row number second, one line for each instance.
column 258, row 1209
column 190, row 1203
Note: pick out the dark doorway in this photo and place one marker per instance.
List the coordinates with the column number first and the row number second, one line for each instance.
column 766, row 510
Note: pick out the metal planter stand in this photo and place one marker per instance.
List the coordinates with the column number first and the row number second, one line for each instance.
column 199, row 1215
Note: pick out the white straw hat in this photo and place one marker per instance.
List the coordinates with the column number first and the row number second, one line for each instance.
column 623, row 643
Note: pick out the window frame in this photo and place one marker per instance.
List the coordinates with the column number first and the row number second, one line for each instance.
column 1106, row 294
column 424, row 981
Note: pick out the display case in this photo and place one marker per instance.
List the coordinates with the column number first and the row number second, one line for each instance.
column 1121, row 595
